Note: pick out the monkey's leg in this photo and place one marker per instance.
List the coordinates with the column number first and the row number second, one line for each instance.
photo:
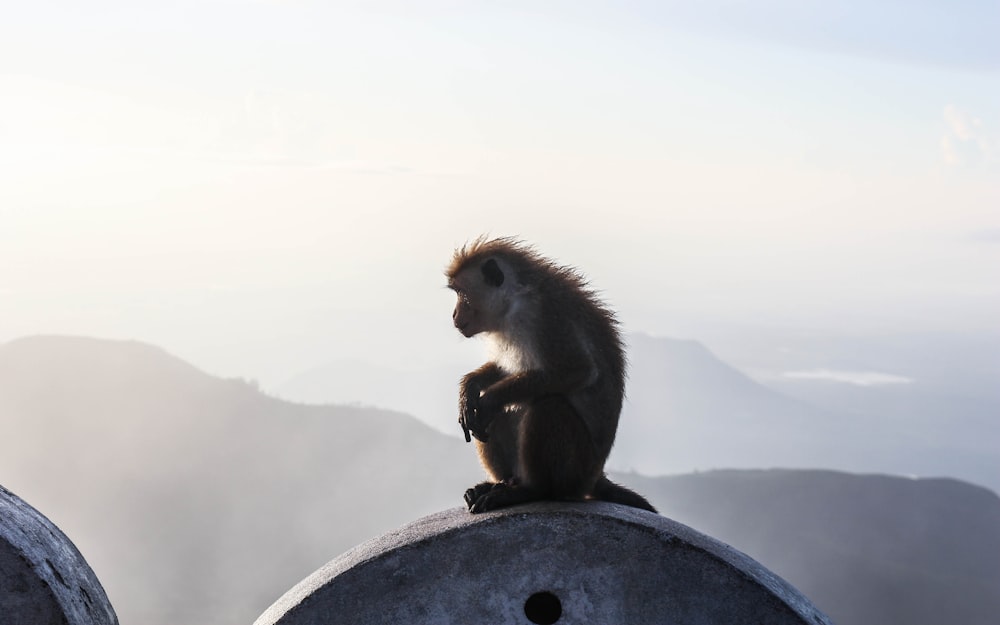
column 498, row 456
column 556, row 458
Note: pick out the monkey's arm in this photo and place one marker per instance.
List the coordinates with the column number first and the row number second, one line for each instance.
column 527, row 385
column 470, row 416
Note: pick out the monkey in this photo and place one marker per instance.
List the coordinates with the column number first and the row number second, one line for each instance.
column 544, row 409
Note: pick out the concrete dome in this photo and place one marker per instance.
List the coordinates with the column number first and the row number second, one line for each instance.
column 544, row 563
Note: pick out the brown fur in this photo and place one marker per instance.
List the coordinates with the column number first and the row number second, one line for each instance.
column 545, row 409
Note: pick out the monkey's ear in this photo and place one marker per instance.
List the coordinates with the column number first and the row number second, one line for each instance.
column 492, row 273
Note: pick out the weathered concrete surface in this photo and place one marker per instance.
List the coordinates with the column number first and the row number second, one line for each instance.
column 582, row 563
column 43, row 578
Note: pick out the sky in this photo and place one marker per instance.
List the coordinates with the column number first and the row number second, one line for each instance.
column 260, row 186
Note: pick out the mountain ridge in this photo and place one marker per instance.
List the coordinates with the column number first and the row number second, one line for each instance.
column 236, row 495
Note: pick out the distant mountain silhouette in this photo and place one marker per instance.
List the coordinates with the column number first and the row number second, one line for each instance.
column 198, row 499
column 686, row 409
column 201, row 500
column 911, row 551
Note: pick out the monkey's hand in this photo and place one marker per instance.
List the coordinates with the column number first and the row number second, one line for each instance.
column 484, row 412
column 479, row 429
column 475, row 416
column 468, row 415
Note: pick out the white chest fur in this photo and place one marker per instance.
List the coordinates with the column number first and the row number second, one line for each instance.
column 511, row 354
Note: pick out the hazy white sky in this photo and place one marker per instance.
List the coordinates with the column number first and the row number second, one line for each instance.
column 247, row 176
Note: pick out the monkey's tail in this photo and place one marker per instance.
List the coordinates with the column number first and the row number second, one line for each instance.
column 606, row 490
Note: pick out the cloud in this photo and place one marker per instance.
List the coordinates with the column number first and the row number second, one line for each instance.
column 960, row 124
column 857, row 378
column 965, row 140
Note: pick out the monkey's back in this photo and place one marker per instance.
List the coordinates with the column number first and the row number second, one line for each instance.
column 575, row 320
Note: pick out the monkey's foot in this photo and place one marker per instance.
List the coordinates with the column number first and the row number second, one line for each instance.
column 473, row 494
column 501, row 496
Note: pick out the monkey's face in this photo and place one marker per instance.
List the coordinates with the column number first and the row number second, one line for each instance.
column 466, row 315
column 481, row 304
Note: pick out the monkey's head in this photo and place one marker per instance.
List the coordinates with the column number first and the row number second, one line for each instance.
column 483, row 300
column 483, row 277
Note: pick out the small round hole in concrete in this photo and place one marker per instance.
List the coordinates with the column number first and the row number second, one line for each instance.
column 543, row 608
